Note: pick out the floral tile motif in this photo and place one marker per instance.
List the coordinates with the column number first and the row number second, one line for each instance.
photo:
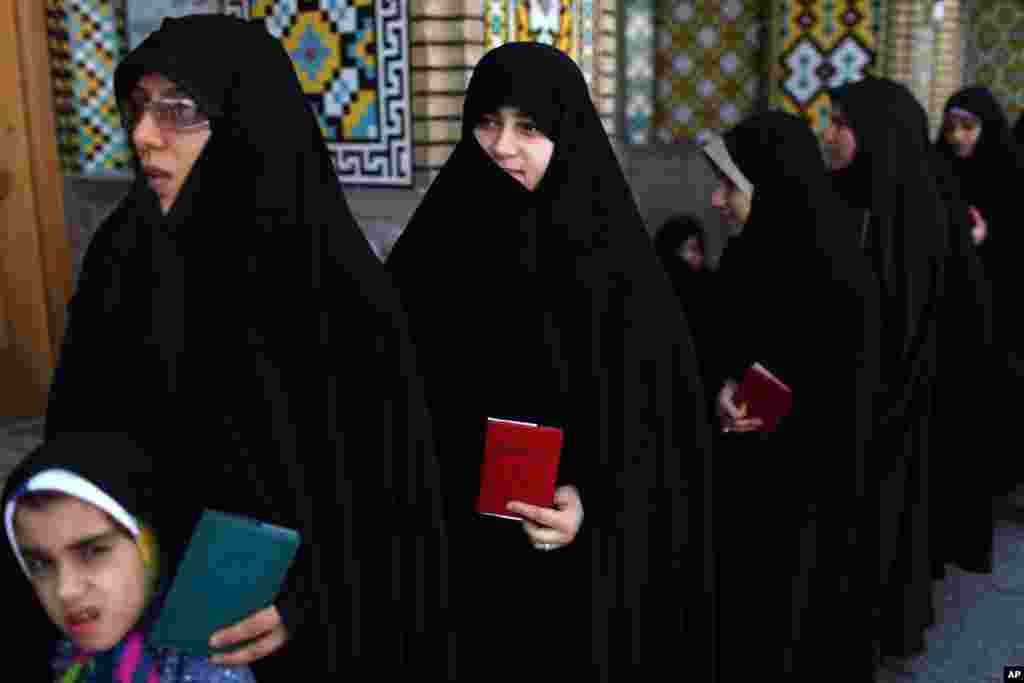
column 707, row 66
column 995, row 41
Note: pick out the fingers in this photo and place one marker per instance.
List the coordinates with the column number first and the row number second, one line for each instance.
column 253, row 626
column 540, row 516
column 546, row 526
column 257, row 650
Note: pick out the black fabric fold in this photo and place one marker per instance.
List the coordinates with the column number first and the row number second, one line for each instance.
column 892, row 183
column 799, row 238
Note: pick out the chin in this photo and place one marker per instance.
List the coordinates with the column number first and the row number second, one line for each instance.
column 98, row 642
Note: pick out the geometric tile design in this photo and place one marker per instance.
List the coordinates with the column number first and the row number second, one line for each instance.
column 63, row 79
column 639, row 67
column 707, row 66
column 552, row 22
column 352, row 58
column 87, row 40
column 821, row 44
column 995, row 40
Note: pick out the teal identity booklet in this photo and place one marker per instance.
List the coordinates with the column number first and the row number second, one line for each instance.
column 233, row 567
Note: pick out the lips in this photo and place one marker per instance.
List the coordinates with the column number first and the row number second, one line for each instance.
column 158, row 178
column 82, row 619
column 515, row 173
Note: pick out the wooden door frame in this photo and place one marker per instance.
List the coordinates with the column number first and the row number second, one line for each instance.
column 36, row 258
column 47, row 178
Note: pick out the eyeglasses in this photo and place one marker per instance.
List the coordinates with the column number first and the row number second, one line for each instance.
column 170, row 114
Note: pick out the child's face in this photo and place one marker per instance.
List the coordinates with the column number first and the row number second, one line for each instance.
column 87, row 571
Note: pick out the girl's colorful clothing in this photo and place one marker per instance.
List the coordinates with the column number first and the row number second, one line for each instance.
column 167, row 667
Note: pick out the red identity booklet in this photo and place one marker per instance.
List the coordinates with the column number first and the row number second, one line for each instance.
column 767, row 397
column 520, row 463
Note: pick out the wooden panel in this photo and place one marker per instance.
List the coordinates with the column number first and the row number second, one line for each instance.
column 29, row 161
column 47, row 180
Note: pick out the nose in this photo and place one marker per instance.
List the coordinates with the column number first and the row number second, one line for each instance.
column 504, row 144
column 960, row 135
column 146, row 134
column 70, row 585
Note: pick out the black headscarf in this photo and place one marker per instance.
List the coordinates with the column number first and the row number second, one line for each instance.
column 295, row 397
column 799, row 237
column 904, row 232
column 551, row 306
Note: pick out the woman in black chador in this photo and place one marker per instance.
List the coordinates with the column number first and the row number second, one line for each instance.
column 980, row 149
column 808, row 600
column 680, row 246
column 977, row 142
column 535, row 295
column 882, row 166
column 232, row 316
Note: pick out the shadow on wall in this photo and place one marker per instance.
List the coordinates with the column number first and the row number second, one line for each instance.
column 675, row 179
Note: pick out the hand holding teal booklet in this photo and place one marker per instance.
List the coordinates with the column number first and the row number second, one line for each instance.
column 233, row 567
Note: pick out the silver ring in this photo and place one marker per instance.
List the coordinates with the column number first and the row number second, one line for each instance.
column 545, row 546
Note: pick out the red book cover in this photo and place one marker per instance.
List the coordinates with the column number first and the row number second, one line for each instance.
column 520, row 463
column 766, row 396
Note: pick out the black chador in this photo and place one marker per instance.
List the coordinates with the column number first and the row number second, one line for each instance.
column 550, row 306
column 250, row 336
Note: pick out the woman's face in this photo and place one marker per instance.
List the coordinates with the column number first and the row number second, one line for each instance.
column 840, row 141
column 169, row 134
column 692, row 253
column 962, row 133
column 514, row 142
column 732, row 202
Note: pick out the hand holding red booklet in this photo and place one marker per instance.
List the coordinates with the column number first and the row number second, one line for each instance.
column 520, row 463
column 766, row 396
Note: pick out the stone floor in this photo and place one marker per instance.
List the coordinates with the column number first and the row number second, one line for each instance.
column 980, row 617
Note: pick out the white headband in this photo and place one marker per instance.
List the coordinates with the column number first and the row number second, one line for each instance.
column 718, row 153
column 71, row 484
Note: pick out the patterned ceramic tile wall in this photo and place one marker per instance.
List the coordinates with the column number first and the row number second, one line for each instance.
column 707, row 65
column 87, row 39
column 819, row 44
column 566, row 24
column 352, row 58
column 995, row 42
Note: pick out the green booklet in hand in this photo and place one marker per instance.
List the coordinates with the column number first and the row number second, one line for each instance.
column 233, row 567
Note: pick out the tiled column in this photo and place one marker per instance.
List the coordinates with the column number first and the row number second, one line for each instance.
column 638, row 54
column 447, row 41
column 450, row 36
column 948, row 61
column 899, row 45
column 605, row 44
